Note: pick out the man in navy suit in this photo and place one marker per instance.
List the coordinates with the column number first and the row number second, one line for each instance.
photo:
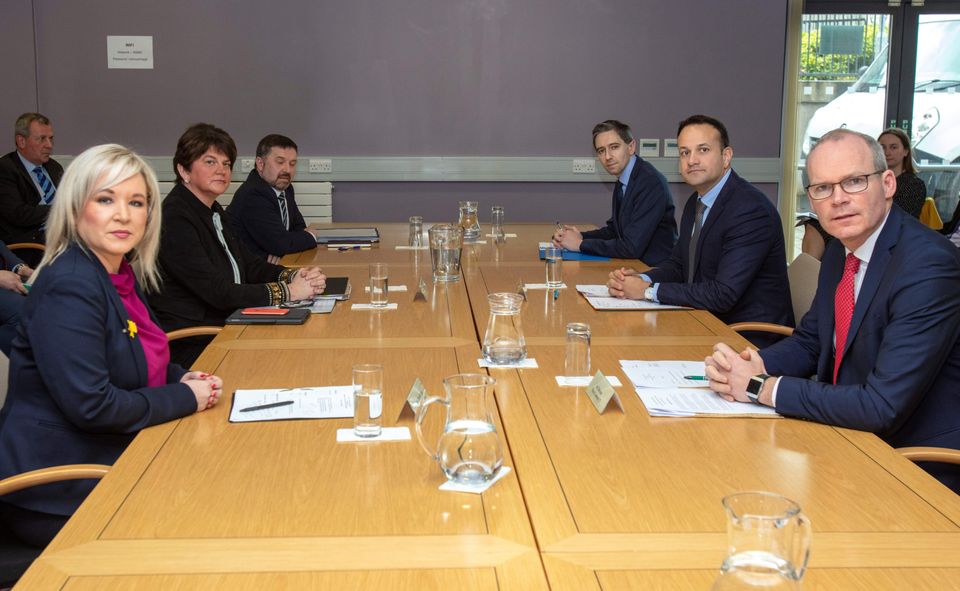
column 642, row 225
column 28, row 181
column 263, row 211
column 883, row 332
column 730, row 257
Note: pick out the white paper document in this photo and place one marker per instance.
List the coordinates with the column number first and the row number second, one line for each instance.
column 689, row 402
column 324, row 402
column 596, row 290
column 324, row 306
column 609, row 303
column 665, row 374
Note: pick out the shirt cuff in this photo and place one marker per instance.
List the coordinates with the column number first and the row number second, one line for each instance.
column 773, row 395
column 654, row 286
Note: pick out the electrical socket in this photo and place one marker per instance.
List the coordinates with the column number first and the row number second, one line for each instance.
column 246, row 164
column 321, row 165
column 670, row 148
column 584, row 166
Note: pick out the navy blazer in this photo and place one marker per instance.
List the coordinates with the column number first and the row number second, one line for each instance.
column 21, row 213
column 644, row 227
column 255, row 215
column 900, row 374
column 77, row 382
column 740, row 271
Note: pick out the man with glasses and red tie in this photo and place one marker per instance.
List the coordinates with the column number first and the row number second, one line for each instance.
column 882, row 333
column 28, row 180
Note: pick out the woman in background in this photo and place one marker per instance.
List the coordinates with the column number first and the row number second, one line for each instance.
column 208, row 272
column 90, row 366
column 911, row 191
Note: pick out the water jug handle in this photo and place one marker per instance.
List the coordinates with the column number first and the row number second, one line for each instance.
column 420, row 414
column 803, row 537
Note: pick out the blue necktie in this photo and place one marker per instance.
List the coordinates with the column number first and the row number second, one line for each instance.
column 46, row 185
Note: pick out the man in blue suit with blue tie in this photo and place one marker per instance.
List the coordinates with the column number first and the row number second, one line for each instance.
column 642, row 225
column 883, row 332
column 730, row 258
column 28, row 181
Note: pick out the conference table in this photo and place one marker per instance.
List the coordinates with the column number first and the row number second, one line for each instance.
column 618, row 500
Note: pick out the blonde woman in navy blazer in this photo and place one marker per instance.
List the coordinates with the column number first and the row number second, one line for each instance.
column 87, row 370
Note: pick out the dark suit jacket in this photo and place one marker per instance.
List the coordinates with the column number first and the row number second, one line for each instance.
column 255, row 215
column 741, row 271
column 198, row 287
column 21, row 213
column 900, row 374
column 644, row 227
column 77, row 382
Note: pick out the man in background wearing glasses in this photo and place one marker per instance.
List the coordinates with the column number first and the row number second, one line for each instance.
column 882, row 333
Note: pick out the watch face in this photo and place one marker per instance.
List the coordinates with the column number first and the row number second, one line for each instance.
column 754, row 386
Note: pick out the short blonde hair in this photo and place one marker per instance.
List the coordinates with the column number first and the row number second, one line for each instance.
column 96, row 169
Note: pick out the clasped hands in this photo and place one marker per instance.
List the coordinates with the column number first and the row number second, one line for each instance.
column 307, row 283
column 729, row 371
column 206, row 388
column 626, row 283
column 568, row 237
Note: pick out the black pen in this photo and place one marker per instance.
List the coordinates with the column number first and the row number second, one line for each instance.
column 266, row 406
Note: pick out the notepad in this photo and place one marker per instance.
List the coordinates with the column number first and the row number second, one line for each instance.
column 322, row 402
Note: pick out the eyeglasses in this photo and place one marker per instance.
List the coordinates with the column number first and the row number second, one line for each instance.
column 854, row 184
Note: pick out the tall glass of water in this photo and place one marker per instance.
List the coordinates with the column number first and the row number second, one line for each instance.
column 577, row 362
column 379, row 285
column 446, row 243
column 367, row 399
column 469, row 221
column 496, row 222
column 553, row 261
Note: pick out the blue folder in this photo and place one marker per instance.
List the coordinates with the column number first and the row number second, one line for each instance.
column 569, row 255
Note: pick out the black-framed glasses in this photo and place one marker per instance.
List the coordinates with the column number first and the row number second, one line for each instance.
column 853, row 184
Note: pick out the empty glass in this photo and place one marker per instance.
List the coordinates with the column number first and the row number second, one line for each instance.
column 496, row 222
column 503, row 342
column 469, row 221
column 416, row 231
column 379, row 285
column 577, row 361
column 367, row 399
column 446, row 243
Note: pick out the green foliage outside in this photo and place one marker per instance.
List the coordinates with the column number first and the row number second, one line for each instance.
column 814, row 66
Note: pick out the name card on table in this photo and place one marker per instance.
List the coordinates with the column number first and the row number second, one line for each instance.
column 414, row 399
column 421, row 291
column 601, row 393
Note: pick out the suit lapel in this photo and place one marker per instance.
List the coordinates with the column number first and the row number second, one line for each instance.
column 714, row 214
column 871, row 281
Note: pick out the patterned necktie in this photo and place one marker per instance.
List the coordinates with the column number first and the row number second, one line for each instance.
column 843, row 303
column 218, row 225
column 284, row 216
column 694, row 237
column 46, row 185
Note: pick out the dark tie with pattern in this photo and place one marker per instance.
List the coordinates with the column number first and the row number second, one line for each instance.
column 694, row 237
column 46, row 185
column 284, row 215
column 843, row 303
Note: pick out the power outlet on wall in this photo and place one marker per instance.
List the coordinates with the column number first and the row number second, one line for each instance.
column 321, row 165
column 584, row 166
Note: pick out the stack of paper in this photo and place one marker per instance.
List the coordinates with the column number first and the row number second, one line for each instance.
column 600, row 298
column 678, row 389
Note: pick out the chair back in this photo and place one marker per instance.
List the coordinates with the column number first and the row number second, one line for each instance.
column 803, row 273
column 929, row 215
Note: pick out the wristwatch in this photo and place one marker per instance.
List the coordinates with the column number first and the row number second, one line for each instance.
column 648, row 294
column 755, row 386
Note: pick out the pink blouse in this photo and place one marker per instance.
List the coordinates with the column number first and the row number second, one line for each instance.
column 153, row 340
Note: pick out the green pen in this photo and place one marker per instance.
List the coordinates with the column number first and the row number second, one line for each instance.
column 697, row 378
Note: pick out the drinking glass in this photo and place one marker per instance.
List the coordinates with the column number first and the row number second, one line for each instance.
column 553, row 261
column 378, row 285
column 416, row 231
column 367, row 399
column 577, row 362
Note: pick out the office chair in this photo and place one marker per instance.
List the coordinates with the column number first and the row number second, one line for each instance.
column 16, row 557
column 803, row 274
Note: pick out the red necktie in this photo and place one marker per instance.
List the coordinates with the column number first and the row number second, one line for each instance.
column 843, row 302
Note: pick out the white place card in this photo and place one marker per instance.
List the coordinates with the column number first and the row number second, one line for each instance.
column 544, row 286
column 415, row 397
column 386, row 434
column 505, row 235
column 391, row 306
column 528, row 363
column 389, row 288
column 405, row 247
column 583, row 381
column 601, row 393
column 453, row 486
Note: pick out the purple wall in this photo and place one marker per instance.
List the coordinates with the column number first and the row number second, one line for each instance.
column 420, row 77
column 19, row 93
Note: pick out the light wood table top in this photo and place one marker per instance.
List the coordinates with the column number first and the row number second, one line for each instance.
column 614, row 501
